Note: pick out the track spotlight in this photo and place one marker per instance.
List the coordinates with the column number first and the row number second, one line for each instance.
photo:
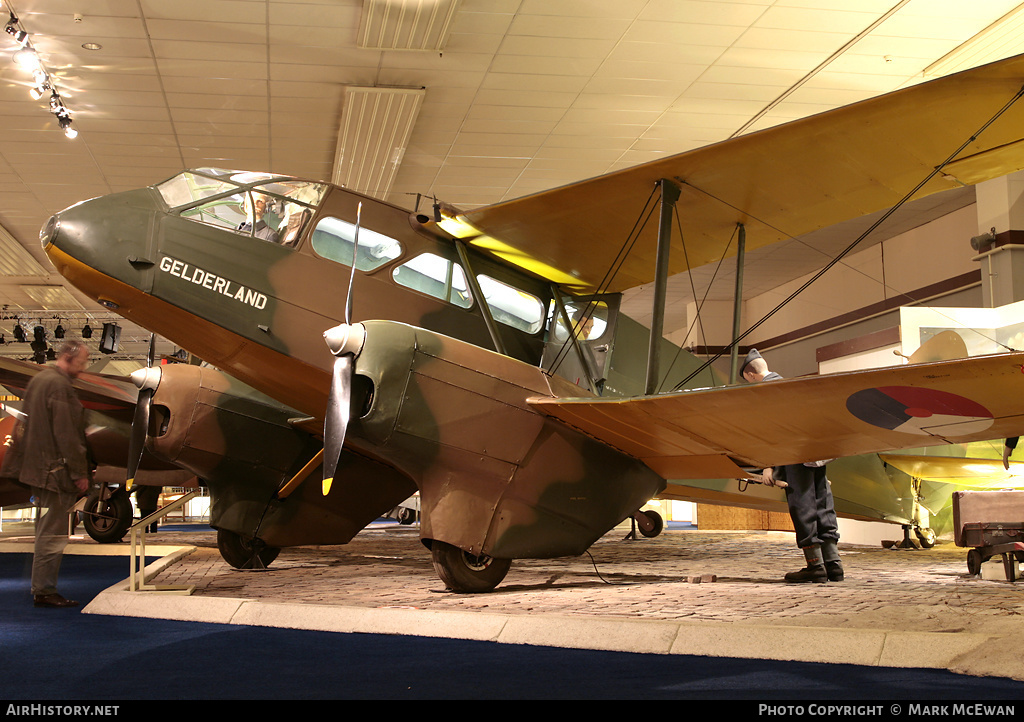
column 19, row 334
column 28, row 59
column 86, row 331
column 58, row 332
column 42, row 85
column 65, row 124
column 110, row 338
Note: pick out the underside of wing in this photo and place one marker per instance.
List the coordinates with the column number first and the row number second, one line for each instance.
column 710, row 433
column 781, row 182
column 964, row 472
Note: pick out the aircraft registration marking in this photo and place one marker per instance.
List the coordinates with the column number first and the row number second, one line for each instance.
column 213, row 282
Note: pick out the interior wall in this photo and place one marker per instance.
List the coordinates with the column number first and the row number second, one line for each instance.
column 930, row 254
column 799, row 358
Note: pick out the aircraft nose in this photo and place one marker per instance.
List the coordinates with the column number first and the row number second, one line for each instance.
column 105, row 236
column 49, row 230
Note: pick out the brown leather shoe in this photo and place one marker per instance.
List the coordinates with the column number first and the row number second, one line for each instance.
column 54, row 601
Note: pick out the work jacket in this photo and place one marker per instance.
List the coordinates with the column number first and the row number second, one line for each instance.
column 49, row 450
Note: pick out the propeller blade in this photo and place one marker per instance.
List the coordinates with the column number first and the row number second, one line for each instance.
column 345, row 341
column 140, row 427
column 146, row 379
column 338, row 413
column 355, row 257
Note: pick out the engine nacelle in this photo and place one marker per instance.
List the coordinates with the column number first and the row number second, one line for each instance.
column 242, row 444
column 235, row 438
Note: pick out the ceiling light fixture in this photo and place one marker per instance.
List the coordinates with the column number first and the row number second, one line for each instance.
column 376, row 124
column 406, row 24
column 28, row 59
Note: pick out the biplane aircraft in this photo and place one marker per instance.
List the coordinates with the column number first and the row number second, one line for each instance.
column 442, row 376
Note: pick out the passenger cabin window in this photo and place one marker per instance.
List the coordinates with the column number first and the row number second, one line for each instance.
column 511, row 306
column 334, row 238
column 435, row 276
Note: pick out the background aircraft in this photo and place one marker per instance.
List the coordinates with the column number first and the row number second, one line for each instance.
column 110, row 403
column 512, row 460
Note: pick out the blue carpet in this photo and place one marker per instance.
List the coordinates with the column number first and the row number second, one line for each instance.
column 56, row 654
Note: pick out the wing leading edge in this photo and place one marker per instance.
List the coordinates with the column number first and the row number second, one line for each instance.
column 781, row 182
column 714, row 433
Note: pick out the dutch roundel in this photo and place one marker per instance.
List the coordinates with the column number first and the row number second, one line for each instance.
column 921, row 411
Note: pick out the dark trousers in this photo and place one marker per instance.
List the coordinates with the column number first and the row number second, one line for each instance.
column 51, row 538
column 811, row 508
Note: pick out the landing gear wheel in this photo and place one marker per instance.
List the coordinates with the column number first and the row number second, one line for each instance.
column 974, row 561
column 406, row 515
column 107, row 520
column 655, row 524
column 926, row 536
column 245, row 553
column 464, row 572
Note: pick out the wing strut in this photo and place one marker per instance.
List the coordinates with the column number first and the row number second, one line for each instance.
column 485, row 309
column 669, row 196
column 586, row 362
column 737, row 307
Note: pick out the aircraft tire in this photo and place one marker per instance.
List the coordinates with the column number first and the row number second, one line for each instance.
column 926, row 536
column 465, row 573
column 244, row 553
column 658, row 524
column 107, row 520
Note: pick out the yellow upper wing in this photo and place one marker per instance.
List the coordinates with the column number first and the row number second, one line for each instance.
column 784, row 181
column 713, row 433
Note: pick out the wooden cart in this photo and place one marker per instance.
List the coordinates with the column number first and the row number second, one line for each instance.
column 975, row 515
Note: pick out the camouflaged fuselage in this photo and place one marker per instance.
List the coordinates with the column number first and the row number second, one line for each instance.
column 434, row 408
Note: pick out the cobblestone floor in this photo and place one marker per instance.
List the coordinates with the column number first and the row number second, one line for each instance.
column 924, row 590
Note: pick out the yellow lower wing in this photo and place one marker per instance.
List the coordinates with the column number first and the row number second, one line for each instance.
column 967, row 473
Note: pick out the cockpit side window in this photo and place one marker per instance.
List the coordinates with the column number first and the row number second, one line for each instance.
column 187, row 188
column 296, row 204
column 224, row 211
column 334, row 238
column 274, row 210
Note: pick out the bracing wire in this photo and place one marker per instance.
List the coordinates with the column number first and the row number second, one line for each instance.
column 613, row 268
column 707, row 291
column 906, row 198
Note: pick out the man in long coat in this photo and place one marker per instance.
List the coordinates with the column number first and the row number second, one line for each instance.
column 50, row 456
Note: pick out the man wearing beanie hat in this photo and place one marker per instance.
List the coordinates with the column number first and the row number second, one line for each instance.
column 809, row 498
